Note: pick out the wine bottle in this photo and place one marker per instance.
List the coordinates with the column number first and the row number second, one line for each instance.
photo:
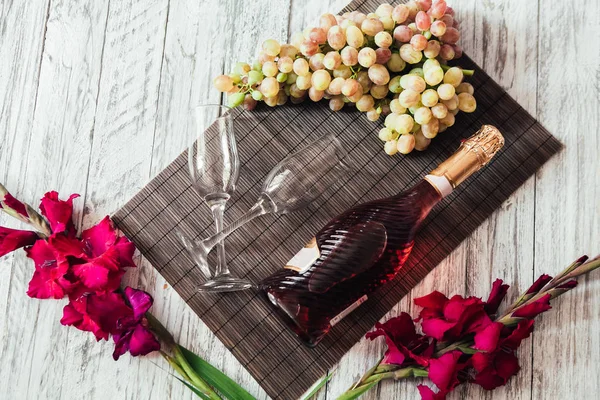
column 366, row 246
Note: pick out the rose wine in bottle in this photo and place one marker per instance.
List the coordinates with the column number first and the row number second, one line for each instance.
column 365, row 247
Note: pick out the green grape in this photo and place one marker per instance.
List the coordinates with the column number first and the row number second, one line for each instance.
column 446, row 91
column 415, row 128
column 465, row 87
column 417, row 71
column 270, row 68
column 255, row 77
column 295, row 91
column 409, row 98
column 356, row 96
column 379, row 91
column 379, row 74
column 443, row 128
column 223, row 83
column 257, row 66
column 429, row 98
column 373, row 115
column 271, row 47
column 288, row 50
column 448, row 120
column 413, row 82
column 434, row 76
column 235, row 99
column 269, row 87
column 371, row 26
column 439, row 110
column 320, row 79
column 281, row 77
column 281, row 98
column 406, row 143
column 241, row 68
column 451, row 104
column 466, row 102
column 454, row 76
column 235, row 78
column 403, row 123
column 396, row 107
column 396, row 63
column 342, row 71
column 391, row 147
column 410, row 55
column 430, row 64
column 384, row 10
column 291, row 78
column 427, row 34
column 422, row 115
column 383, row 39
column 431, row 129
column 363, row 78
column 256, row 95
column 336, row 38
column 316, row 62
column 315, row 94
column 386, row 134
column 336, row 103
column 285, row 64
column 304, row 81
column 332, row 60
column 394, row 84
column 400, row 13
column 390, row 121
column 365, row 103
column 421, row 142
column 354, row 37
column 301, row 67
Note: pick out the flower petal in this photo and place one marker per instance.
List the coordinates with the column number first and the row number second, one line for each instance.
column 75, row 314
column 436, row 327
column 487, row 339
column 521, row 332
column 13, row 239
column 15, row 204
column 140, row 301
column 59, row 213
column 142, row 342
column 443, row 371
column 531, row 310
column 125, row 248
column 110, row 311
column 48, row 280
column 68, row 246
column 428, row 394
column 100, row 237
column 121, row 344
column 507, row 365
column 539, row 284
column 496, row 296
column 93, row 276
column 435, row 300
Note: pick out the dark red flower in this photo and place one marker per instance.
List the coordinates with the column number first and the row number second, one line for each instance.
column 539, row 284
column 75, row 314
column 403, row 342
column 50, row 279
column 531, row 310
column 451, row 319
column 428, row 394
column 496, row 296
column 59, row 213
column 494, row 367
column 18, row 206
column 568, row 285
column 127, row 323
column 13, row 239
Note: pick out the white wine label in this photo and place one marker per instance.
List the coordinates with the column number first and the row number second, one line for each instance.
column 348, row 310
column 441, row 183
column 305, row 257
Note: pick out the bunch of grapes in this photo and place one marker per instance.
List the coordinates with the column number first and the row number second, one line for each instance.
column 391, row 63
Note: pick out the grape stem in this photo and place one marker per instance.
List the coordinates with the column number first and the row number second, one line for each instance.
column 466, row 72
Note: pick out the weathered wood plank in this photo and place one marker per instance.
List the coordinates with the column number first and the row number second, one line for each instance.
column 566, row 350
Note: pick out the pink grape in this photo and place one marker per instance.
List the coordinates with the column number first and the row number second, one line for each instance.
column 332, row 60
column 451, row 36
column 383, row 39
column 458, row 51
column 359, row 18
column 367, row 57
column 419, row 42
column 447, row 19
column 350, row 87
column 336, row 103
column 383, row 55
column 424, row 5
column 438, row 9
column 423, row 21
column 379, row 91
column 365, row 103
column 271, row 47
column 301, row 67
column 357, row 95
column 223, row 83
column 400, row 13
column 406, row 144
column 433, row 49
column 371, row 26
column 308, row 48
column 438, row 28
column 349, row 56
column 320, row 79
column 450, row 11
column 447, row 52
column 326, row 21
column 403, row 33
column 315, row 95
column 269, row 87
column 355, row 36
column 316, row 62
column 336, row 37
column 335, row 86
column 317, row 35
column 285, row 64
column 363, row 79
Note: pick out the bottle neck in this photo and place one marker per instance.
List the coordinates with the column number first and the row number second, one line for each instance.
column 441, row 184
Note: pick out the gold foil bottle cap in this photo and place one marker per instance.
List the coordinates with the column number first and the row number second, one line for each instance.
column 473, row 153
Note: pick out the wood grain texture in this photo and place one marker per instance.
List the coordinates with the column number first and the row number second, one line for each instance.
column 551, row 220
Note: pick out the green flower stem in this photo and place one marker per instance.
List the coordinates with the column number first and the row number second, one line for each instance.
column 173, row 363
column 179, row 359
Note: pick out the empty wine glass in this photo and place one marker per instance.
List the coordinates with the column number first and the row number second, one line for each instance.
column 292, row 184
column 214, row 167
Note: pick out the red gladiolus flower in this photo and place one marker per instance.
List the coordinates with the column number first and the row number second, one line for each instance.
column 15, row 204
column 127, row 324
column 403, row 342
column 50, row 279
column 496, row 296
column 496, row 366
column 443, row 371
column 59, row 213
column 531, row 310
column 75, row 314
column 13, row 239
column 428, row 394
column 539, row 284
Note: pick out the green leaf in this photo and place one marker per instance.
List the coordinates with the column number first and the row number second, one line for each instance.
column 467, row 350
column 215, row 378
column 356, row 393
column 318, row 386
column 193, row 389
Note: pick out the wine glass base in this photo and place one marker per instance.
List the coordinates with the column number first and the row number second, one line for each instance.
column 225, row 284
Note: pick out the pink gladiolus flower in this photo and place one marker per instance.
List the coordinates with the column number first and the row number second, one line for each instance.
column 75, row 314
column 127, row 324
column 51, row 278
column 444, row 371
column 59, row 213
column 13, row 239
column 531, row 310
column 404, row 344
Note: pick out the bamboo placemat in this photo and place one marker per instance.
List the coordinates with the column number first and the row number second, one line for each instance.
column 244, row 321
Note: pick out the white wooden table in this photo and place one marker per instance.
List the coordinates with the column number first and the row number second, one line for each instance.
column 92, row 93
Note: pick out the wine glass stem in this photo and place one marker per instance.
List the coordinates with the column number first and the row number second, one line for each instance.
column 262, row 206
column 217, row 210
